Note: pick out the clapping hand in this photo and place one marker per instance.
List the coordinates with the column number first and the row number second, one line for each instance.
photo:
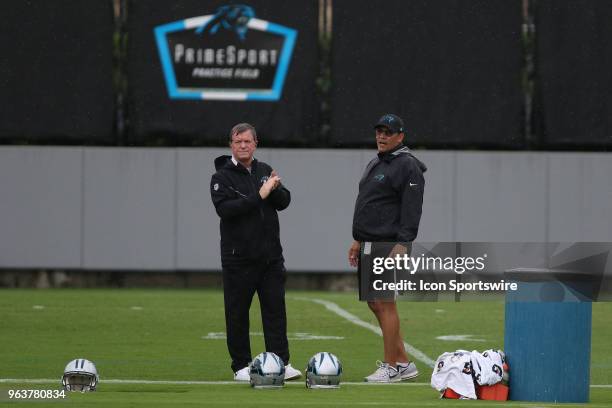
column 270, row 184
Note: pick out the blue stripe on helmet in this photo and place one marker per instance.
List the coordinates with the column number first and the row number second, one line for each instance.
column 331, row 356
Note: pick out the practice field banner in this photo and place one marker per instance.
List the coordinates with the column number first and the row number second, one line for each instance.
column 56, row 72
column 574, row 71
column 196, row 68
column 451, row 69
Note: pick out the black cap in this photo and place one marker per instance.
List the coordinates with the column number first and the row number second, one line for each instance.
column 393, row 122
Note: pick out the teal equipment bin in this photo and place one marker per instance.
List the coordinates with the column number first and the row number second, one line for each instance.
column 547, row 336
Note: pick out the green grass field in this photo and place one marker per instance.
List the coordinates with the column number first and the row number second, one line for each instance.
column 176, row 335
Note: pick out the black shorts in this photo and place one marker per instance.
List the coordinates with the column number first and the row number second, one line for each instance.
column 367, row 277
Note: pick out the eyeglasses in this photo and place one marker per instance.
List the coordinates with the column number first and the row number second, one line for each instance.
column 384, row 131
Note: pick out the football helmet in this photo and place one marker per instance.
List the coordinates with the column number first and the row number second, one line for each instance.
column 267, row 370
column 323, row 371
column 80, row 375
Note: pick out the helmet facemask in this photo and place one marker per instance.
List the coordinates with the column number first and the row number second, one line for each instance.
column 79, row 382
column 80, row 375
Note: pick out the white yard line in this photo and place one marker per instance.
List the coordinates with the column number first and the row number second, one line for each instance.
column 169, row 382
column 332, row 307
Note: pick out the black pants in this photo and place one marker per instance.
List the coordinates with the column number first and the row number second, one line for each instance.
column 240, row 282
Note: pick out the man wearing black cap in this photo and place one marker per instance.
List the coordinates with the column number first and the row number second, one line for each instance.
column 388, row 209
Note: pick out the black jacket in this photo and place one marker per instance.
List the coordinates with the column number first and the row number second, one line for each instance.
column 390, row 199
column 249, row 225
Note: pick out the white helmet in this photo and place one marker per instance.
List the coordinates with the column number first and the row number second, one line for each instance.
column 323, row 371
column 80, row 375
column 267, row 370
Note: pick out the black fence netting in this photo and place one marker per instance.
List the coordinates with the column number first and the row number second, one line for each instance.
column 196, row 68
column 574, row 73
column 460, row 73
column 451, row 69
column 56, row 72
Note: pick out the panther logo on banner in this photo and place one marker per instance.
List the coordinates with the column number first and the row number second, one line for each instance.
column 229, row 55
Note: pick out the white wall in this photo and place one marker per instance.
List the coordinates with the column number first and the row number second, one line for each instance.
column 150, row 209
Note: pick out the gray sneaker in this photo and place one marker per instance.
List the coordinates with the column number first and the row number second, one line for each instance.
column 407, row 371
column 384, row 374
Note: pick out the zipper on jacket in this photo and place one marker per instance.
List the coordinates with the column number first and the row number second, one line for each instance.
column 253, row 186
